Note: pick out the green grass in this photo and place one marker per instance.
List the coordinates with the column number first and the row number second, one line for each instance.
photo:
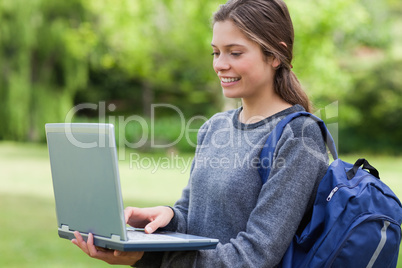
column 28, row 223
column 28, row 226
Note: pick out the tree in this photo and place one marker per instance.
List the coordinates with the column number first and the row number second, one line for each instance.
column 43, row 51
column 163, row 45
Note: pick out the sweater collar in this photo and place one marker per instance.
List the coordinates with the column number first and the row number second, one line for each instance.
column 239, row 125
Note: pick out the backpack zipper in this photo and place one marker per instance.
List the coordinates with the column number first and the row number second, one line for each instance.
column 331, row 194
column 333, row 191
column 355, row 223
column 336, row 188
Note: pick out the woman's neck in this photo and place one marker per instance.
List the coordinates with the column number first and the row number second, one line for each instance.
column 259, row 109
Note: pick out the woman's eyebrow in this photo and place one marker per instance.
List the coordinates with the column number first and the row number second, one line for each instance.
column 228, row 45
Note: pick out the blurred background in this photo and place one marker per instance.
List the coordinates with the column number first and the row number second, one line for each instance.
column 124, row 56
column 57, row 54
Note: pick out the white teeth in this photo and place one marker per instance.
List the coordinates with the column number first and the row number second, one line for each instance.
column 228, row 80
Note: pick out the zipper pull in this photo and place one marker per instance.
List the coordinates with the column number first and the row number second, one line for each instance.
column 331, row 194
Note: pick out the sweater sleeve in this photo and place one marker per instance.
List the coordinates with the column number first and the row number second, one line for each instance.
column 300, row 161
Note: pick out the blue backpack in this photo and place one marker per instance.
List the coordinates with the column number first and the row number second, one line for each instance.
column 356, row 218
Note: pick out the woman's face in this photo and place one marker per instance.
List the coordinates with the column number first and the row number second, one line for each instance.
column 242, row 68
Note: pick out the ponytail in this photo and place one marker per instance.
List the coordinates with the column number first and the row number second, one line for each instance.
column 288, row 87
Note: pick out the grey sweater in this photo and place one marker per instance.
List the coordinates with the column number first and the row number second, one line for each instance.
column 225, row 198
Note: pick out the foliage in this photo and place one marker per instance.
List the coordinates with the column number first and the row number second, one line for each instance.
column 43, row 45
column 55, row 54
column 319, row 30
column 161, row 45
column 376, row 101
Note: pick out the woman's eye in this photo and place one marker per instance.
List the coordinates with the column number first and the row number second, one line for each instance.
column 235, row 54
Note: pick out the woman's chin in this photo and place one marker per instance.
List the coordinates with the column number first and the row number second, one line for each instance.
column 230, row 94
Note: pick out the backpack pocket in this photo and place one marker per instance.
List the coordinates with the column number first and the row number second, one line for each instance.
column 370, row 241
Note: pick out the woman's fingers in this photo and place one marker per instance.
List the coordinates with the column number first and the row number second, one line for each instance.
column 149, row 218
column 158, row 221
column 137, row 217
column 162, row 218
column 93, row 252
column 88, row 247
column 79, row 241
column 107, row 255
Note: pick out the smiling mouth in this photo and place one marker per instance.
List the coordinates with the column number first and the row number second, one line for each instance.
column 229, row 80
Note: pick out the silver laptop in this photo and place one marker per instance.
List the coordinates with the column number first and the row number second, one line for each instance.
column 87, row 192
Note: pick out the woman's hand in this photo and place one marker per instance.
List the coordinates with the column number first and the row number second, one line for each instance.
column 148, row 218
column 107, row 255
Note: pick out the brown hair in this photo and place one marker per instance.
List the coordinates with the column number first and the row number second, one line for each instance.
column 268, row 23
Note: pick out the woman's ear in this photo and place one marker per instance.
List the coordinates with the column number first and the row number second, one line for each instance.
column 283, row 44
column 275, row 62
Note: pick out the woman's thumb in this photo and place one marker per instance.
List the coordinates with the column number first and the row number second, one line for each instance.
column 149, row 229
column 153, row 225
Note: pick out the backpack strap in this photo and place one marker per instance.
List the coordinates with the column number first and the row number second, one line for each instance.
column 267, row 152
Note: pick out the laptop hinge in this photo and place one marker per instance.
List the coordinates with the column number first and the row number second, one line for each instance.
column 65, row 228
column 115, row 238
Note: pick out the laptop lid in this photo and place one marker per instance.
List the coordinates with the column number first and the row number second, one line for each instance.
column 85, row 176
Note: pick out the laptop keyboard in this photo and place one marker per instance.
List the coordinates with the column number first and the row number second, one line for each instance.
column 140, row 235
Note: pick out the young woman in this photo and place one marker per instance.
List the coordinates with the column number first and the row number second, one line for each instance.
column 252, row 54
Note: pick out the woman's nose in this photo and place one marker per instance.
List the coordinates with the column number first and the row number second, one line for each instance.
column 220, row 63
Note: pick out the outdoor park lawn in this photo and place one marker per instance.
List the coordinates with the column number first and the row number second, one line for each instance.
column 28, row 227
